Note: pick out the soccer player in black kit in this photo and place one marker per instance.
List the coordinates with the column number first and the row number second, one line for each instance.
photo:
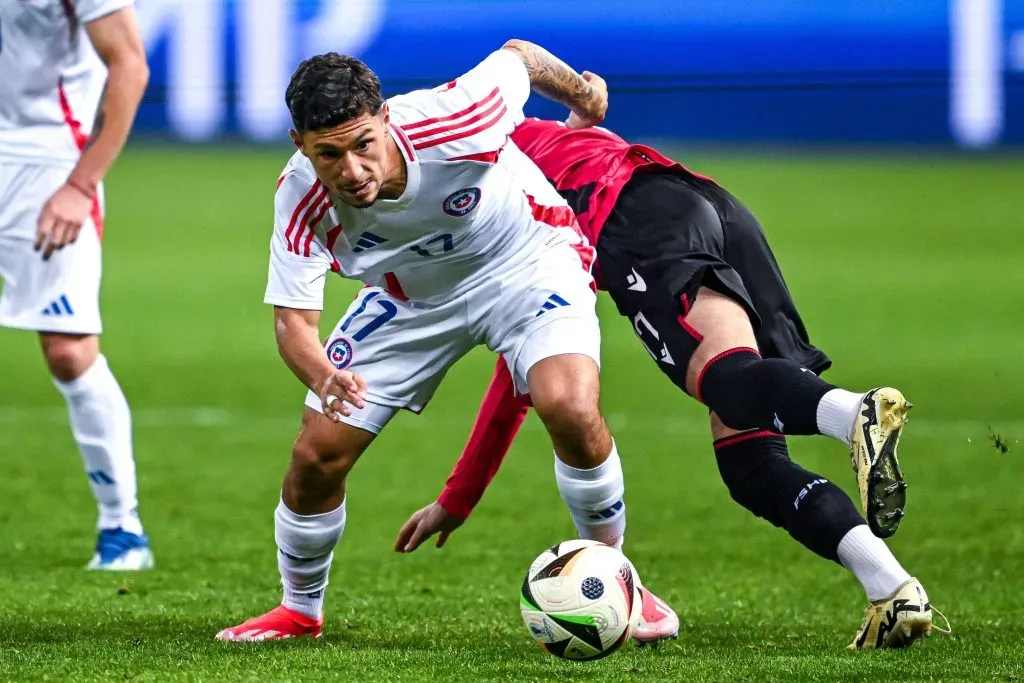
column 689, row 265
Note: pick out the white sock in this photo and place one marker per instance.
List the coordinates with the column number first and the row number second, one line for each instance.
column 871, row 561
column 837, row 414
column 594, row 498
column 101, row 423
column 305, row 549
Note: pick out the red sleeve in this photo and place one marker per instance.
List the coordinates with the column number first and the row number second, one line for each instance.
column 501, row 414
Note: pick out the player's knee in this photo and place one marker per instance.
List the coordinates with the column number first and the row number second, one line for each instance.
column 320, row 466
column 69, row 356
column 728, row 383
column 565, row 390
column 723, row 324
column 568, row 409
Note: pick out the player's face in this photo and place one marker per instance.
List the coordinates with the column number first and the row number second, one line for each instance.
column 353, row 159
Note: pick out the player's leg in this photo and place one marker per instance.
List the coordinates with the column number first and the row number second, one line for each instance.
column 401, row 352
column 760, row 476
column 547, row 330
column 59, row 299
column 545, row 326
column 870, row 423
column 310, row 520
column 564, row 389
column 101, row 422
column 755, row 464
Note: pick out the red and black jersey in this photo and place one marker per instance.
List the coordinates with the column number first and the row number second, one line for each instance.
column 589, row 167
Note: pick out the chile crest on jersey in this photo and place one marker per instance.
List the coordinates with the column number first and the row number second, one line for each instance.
column 339, row 352
column 461, row 202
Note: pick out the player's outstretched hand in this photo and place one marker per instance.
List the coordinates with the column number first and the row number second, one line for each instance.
column 424, row 523
column 597, row 106
column 340, row 392
column 61, row 219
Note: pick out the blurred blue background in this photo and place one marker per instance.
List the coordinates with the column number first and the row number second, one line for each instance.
column 830, row 72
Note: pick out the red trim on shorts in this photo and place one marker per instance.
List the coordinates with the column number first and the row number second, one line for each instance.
column 451, row 117
column 81, row 140
column 685, row 301
column 723, row 354
column 740, row 438
column 394, row 287
column 690, row 330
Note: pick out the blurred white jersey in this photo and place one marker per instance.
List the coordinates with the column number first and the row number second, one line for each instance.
column 51, row 79
column 474, row 207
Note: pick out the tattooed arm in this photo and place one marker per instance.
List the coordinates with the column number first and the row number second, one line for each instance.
column 585, row 95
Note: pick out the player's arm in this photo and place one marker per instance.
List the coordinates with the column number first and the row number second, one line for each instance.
column 116, row 39
column 586, row 94
column 118, row 43
column 298, row 341
column 295, row 288
column 500, row 417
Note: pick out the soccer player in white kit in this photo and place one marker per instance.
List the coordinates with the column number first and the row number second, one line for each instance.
column 460, row 241
column 72, row 74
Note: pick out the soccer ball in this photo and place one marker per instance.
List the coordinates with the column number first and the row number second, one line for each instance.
column 581, row 600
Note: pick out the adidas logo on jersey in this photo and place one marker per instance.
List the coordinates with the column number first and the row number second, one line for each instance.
column 553, row 302
column 59, row 307
column 368, row 241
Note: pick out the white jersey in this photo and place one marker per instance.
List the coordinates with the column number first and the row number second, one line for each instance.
column 474, row 206
column 51, row 79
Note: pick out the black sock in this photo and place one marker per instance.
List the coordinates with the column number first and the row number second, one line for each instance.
column 749, row 392
column 756, row 468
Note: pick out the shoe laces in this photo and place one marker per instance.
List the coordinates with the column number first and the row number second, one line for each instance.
column 948, row 629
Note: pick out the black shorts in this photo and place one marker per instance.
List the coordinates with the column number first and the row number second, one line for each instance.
column 670, row 234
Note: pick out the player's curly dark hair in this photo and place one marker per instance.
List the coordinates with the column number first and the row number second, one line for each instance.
column 330, row 89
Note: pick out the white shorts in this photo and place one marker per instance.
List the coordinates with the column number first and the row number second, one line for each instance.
column 403, row 350
column 59, row 295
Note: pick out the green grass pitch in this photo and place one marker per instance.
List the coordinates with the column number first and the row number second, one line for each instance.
column 908, row 271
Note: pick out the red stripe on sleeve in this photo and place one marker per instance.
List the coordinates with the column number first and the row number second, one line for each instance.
column 312, row 222
column 466, row 132
column 302, row 223
column 427, row 132
column 298, row 210
column 452, row 117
